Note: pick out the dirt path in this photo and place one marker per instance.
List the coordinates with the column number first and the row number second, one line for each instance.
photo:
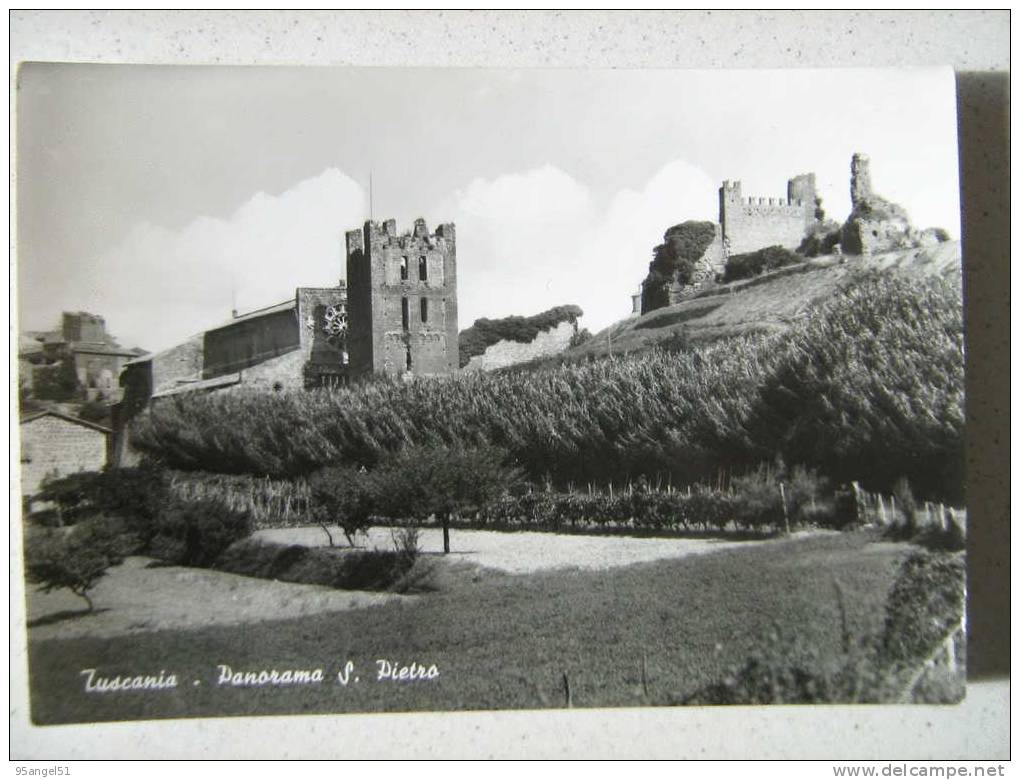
column 521, row 552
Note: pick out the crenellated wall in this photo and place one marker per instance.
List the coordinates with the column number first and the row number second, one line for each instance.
column 753, row 223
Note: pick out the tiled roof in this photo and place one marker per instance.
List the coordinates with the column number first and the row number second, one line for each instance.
column 254, row 315
column 200, row 384
column 70, row 418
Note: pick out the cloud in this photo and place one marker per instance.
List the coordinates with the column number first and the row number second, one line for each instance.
column 526, row 241
column 173, row 283
column 529, row 241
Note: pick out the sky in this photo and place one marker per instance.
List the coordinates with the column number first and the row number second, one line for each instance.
column 163, row 197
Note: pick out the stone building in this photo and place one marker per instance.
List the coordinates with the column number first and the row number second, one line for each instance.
column 748, row 224
column 54, row 444
column 297, row 344
column 403, row 300
column 82, row 339
column 294, row 345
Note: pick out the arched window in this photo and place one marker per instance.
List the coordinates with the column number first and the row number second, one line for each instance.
column 423, row 269
column 403, row 269
column 405, row 318
column 407, row 352
column 424, row 305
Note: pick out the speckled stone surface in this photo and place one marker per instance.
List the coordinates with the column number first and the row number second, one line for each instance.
column 976, row 44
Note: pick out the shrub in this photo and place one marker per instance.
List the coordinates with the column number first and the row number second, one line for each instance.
column 582, row 336
column 75, row 558
column 750, row 264
column 675, row 261
column 758, row 501
column 905, row 525
column 133, row 495
column 58, row 382
column 335, row 568
column 195, row 533
column 73, row 496
column 925, row 604
column 639, row 509
column 821, row 239
column 343, row 495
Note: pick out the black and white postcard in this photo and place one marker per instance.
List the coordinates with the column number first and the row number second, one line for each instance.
column 363, row 390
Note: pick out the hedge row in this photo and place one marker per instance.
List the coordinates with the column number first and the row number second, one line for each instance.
column 680, row 512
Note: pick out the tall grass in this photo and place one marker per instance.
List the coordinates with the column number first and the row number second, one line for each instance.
column 867, row 386
column 271, row 503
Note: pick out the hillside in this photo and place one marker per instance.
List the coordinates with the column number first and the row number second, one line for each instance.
column 767, row 303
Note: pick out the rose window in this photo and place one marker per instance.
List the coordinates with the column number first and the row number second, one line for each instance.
column 336, row 324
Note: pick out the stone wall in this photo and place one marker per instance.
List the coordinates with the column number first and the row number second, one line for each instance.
column 284, row 372
column 99, row 372
column 249, row 341
column 52, row 444
column 754, row 223
column 183, row 361
column 321, row 316
column 507, row 353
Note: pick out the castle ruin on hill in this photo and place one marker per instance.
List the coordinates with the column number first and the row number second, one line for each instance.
column 749, row 224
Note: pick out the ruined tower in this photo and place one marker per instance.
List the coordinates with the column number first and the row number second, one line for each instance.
column 860, row 179
column 402, row 300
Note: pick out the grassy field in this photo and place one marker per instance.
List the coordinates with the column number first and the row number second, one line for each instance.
column 498, row 643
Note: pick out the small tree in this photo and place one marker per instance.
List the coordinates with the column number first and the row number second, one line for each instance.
column 75, row 558
column 582, row 336
column 58, row 382
column 442, row 481
column 135, row 496
column 342, row 495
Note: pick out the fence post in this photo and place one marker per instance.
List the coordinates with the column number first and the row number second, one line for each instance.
column 881, row 509
column 857, row 501
column 786, row 514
